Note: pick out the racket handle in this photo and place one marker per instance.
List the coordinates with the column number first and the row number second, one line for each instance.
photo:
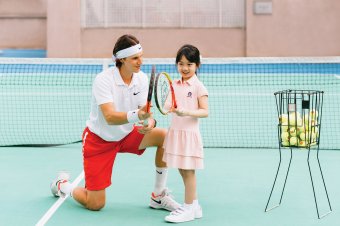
column 175, row 104
column 148, row 106
column 146, row 121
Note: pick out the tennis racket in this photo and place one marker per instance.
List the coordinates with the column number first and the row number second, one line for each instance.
column 149, row 99
column 164, row 93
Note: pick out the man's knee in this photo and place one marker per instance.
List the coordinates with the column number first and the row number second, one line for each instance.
column 95, row 200
column 95, row 206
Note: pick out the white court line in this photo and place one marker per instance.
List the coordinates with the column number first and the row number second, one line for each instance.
column 58, row 203
column 337, row 76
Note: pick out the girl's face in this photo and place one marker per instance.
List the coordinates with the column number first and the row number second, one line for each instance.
column 186, row 69
column 133, row 63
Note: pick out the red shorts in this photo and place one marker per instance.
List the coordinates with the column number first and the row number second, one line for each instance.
column 99, row 156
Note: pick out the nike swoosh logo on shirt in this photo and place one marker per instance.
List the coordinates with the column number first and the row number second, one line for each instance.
column 136, row 93
column 159, row 172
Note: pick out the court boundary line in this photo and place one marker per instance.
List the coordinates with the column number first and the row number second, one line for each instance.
column 58, row 203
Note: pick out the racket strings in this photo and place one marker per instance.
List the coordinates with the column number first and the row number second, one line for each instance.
column 165, row 89
column 164, row 97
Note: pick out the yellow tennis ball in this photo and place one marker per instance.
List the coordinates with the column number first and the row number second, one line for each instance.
column 284, row 128
column 292, row 131
column 299, row 130
column 310, row 119
column 313, row 114
column 285, row 143
column 295, row 119
column 284, row 136
column 306, row 127
column 293, row 141
column 303, row 136
column 302, row 143
column 314, row 129
column 310, row 125
column 313, row 138
column 283, row 119
column 309, row 137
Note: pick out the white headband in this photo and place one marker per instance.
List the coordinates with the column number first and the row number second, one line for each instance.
column 127, row 52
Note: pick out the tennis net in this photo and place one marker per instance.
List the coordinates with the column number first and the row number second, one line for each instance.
column 47, row 101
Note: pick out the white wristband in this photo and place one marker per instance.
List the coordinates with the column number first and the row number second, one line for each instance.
column 132, row 116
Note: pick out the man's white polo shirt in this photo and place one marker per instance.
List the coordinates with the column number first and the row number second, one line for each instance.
column 109, row 87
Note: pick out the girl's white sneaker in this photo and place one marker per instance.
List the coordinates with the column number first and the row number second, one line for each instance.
column 183, row 214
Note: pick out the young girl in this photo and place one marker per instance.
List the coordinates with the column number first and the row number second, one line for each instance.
column 183, row 143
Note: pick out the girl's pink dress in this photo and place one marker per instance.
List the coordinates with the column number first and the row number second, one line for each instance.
column 183, row 143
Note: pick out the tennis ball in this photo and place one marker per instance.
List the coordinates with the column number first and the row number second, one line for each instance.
column 285, row 136
column 303, row 136
column 310, row 119
column 309, row 137
column 307, row 127
column 313, row 137
column 313, row 122
column 299, row 130
column 295, row 119
column 315, row 130
column 292, row 131
column 310, row 125
column 302, row 143
column 313, row 140
column 293, row 141
column 284, row 128
column 283, row 119
column 313, row 114
column 285, row 143
column 306, row 119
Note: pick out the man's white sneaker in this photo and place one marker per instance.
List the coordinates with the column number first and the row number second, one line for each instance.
column 163, row 201
column 62, row 177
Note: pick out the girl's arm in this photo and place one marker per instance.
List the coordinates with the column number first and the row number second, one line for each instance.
column 201, row 112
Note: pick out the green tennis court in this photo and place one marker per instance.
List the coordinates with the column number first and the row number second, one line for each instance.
column 233, row 188
column 45, row 103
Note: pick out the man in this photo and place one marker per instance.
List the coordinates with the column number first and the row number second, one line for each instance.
column 117, row 96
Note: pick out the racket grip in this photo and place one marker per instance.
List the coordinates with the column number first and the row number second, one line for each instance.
column 148, row 107
column 146, row 121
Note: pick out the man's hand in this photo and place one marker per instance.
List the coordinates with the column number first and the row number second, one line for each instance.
column 142, row 114
column 144, row 129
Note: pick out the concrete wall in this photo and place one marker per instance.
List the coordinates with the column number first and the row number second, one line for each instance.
column 23, row 24
column 165, row 42
column 63, row 29
column 295, row 28
column 67, row 39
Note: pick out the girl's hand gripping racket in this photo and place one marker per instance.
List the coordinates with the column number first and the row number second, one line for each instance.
column 149, row 99
column 164, row 93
